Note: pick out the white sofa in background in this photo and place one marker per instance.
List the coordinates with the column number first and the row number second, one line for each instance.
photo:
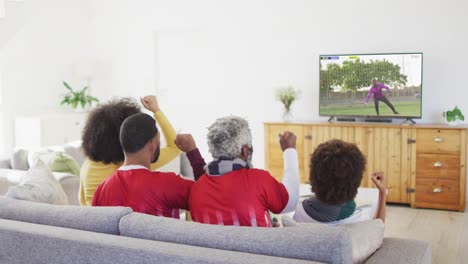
column 10, row 176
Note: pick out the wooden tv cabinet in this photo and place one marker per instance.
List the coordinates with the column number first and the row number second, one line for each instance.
column 424, row 164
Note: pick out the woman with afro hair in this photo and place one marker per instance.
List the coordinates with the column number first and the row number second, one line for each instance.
column 102, row 146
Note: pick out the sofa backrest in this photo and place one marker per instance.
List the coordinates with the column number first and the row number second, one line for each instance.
column 22, row 242
column 96, row 219
column 309, row 242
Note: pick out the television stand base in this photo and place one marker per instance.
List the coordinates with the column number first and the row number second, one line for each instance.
column 346, row 119
column 378, row 120
column 410, row 120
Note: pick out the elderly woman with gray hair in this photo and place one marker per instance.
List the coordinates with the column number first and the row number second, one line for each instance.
column 232, row 192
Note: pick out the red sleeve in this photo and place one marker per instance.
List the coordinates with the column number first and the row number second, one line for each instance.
column 275, row 194
column 178, row 191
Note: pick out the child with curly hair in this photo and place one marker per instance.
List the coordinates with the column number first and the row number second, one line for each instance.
column 336, row 169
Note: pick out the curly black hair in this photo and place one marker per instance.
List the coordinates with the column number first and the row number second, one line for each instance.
column 336, row 169
column 101, row 133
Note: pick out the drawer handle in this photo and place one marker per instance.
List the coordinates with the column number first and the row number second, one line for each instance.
column 437, row 190
column 438, row 164
column 438, row 139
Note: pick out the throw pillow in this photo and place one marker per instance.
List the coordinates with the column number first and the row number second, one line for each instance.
column 366, row 236
column 39, row 185
column 56, row 161
column 74, row 149
column 19, row 160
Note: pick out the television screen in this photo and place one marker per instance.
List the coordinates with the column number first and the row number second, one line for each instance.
column 371, row 85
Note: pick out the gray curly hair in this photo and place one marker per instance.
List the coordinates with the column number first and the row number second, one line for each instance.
column 227, row 135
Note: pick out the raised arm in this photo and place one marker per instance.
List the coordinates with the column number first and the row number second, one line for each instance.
column 291, row 169
column 186, row 143
column 369, row 94
column 171, row 151
column 385, row 87
column 379, row 180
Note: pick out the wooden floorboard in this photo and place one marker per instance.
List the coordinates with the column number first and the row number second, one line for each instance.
column 447, row 231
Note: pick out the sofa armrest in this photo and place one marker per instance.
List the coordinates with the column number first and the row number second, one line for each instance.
column 402, row 251
column 5, row 162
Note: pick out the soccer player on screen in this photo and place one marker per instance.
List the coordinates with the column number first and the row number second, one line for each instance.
column 376, row 92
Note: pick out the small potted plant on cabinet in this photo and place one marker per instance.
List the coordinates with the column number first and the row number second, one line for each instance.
column 454, row 116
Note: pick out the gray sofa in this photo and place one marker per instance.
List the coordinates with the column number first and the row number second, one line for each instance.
column 41, row 233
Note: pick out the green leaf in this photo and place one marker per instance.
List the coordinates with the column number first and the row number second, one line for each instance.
column 67, row 86
column 83, row 103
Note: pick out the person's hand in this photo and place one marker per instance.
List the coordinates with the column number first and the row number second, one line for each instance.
column 151, row 103
column 379, row 180
column 287, row 140
column 185, row 142
column 275, row 222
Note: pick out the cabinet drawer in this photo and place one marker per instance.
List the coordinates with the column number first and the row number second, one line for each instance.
column 438, row 166
column 441, row 192
column 438, row 141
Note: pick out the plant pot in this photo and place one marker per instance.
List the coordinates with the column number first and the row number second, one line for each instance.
column 454, row 123
column 287, row 115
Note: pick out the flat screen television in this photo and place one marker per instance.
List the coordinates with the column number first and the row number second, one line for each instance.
column 384, row 86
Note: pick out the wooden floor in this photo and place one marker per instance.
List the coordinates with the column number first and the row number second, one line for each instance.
column 446, row 231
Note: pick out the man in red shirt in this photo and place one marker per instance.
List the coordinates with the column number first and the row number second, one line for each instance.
column 232, row 192
column 133, row 184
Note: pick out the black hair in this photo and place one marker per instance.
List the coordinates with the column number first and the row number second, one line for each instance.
column 136, row 131
column 101, row 132
column 336, row 169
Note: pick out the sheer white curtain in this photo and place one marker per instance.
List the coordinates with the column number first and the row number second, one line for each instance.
column 2, row 8
column 2, row 143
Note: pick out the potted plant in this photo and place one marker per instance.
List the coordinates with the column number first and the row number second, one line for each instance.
column 78, row 98
column 287, row 95
column 454, row 116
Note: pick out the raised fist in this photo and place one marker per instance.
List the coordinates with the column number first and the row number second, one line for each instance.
column 287, row 140
column 185, row 142
column 150, row 102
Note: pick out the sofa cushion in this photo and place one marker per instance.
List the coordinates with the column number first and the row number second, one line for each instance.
column 56, row 161
column 73, row 149
column 402, row 251
column 39, row 185
column 5, row 161
column 312, row 242
column 70, row 183
column 19, row 159
column 96, row 219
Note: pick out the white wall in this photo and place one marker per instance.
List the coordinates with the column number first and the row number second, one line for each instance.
column 206, row 59
column 209, row 58
column 43, row 52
